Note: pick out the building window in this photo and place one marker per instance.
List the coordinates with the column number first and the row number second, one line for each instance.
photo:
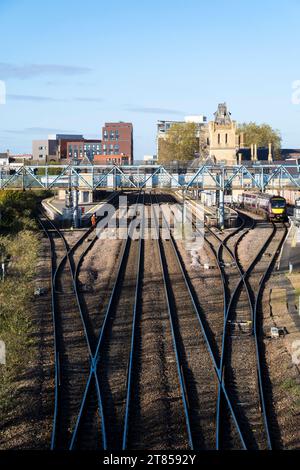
column 219, row 139
column 226, row 138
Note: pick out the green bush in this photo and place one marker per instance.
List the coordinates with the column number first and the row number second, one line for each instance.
column 18, row 209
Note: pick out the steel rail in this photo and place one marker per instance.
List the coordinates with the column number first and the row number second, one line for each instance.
column 253, row 306
column 244, row 278
column 133, row 332
column 203, row 330
column 255, row 330
column 227, row 304
column 221, row 385
column 54, row 280
column 54, row 275
column 96, row 355
column 86, row 234
column 57, row 361
column 174, row 340
column 56, row 354
column 244, row 275
column 227, row 309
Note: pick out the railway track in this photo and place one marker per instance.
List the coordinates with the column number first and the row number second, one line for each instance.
column 198, row 378
column 71, row 341
column 102, row 407
column 256, row 281
column 71, row 355
column 200, row 327
column 211, row 389
column 238, row 361
column 242, row 361
column 241, row 345
column 154, row 413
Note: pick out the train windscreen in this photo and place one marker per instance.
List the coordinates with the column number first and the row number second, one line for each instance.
column 278, row 203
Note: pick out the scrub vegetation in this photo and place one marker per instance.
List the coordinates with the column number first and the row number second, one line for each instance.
column 19, row 245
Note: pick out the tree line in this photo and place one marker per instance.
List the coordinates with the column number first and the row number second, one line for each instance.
column 184, row 142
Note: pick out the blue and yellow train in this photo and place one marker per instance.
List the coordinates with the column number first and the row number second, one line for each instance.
column 272, row 207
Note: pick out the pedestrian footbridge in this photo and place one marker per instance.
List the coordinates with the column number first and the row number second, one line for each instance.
column 206, row 177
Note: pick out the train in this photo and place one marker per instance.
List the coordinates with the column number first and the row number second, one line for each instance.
column 268, row 205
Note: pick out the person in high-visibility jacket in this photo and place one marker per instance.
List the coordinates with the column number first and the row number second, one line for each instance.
column 94, row 220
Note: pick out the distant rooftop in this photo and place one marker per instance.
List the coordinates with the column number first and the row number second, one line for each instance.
column 65, row 136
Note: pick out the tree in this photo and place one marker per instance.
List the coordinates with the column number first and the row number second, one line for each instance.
column 262, row 135
column 51, row 171
column 180, row 144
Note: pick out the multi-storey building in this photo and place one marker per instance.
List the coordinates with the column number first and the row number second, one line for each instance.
column 117, row 139
column 116, row 146
column 85, row 149
column 62, row 144
column 54, row 148
column 40, row 151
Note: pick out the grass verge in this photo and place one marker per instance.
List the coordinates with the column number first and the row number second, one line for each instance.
column 19, row 245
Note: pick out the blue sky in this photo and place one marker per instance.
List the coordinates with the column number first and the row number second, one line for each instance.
column 69, row 66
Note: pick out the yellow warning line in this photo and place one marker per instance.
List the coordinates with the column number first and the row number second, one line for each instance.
column 197, row 205
column 48, row 203
column 101, row 203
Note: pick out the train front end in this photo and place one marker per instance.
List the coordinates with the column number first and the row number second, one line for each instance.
column 277, row 208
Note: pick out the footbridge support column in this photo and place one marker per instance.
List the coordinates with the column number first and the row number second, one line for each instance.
column 221, row 210
column 220, row 199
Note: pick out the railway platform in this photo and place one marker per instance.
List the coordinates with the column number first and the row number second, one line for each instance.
column 290, row 255
column 288, row 272
column 57, row 210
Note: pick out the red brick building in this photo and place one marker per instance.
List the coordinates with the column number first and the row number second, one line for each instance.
column 85, row 148
column 111, row 160
column 117, row 140
column 116, row 146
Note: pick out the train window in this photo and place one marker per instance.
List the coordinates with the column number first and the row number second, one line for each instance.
column 278, row 203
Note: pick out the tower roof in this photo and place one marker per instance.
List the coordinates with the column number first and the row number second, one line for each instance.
column 222, row 115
